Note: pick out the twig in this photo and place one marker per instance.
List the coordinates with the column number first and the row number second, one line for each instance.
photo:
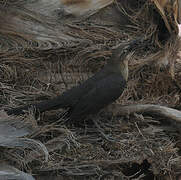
column 106, row 137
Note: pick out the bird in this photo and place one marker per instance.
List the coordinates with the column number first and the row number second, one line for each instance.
column 97, row 92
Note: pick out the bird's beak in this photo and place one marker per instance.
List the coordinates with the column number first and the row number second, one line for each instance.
column 133, row 44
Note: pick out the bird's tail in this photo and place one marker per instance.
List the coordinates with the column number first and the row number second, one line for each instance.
column 51, row 104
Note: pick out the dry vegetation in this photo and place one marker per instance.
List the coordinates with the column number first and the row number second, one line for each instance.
column 45, row 52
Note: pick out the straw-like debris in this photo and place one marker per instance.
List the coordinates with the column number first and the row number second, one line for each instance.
column 45, row 51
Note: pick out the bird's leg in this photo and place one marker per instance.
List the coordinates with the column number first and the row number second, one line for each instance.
column 101, row 131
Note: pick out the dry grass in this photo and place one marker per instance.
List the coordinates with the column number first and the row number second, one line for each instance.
column 39, row 65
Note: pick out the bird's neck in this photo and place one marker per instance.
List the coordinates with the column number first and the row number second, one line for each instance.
column 124, row 71
column 121, row 68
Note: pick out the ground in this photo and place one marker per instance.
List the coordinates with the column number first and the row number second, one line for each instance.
column 45, row 51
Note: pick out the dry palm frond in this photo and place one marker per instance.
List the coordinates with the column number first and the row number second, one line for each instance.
column 45, row 51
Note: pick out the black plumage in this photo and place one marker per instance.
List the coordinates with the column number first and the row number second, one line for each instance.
column 97, row 92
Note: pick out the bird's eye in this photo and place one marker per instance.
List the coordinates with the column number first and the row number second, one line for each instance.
column 124, row 51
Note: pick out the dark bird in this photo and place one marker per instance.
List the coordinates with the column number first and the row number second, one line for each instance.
column 97, row 92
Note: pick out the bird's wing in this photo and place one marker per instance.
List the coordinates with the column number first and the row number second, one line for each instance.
column 104, row 93
column 67, row 99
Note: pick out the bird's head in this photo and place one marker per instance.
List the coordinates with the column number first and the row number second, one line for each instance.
column 121, row 51
column 121, row 54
